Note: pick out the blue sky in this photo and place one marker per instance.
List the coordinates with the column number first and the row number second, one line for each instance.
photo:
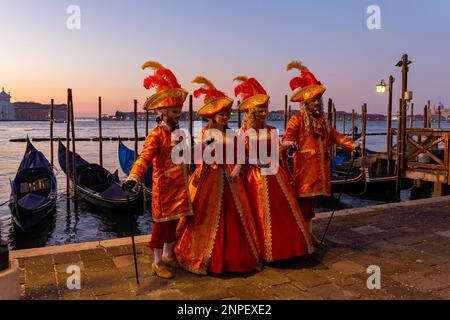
column 40, row 58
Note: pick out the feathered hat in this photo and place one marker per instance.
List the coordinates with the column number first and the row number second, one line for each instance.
column 168, row 91
column 215, row 101
column 251, row 92
column 307, row 85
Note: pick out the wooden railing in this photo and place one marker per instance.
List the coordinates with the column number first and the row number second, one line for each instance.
column 426, row 150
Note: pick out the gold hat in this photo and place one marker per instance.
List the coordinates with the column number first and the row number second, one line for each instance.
column 307, row 84
column 252, row 93
column 168, row 91
column 215, row 101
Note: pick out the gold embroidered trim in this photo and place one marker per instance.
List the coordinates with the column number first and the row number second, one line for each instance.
column 267, row 219
column 322, row 165
column 135, row 177
column 313, row 194
column 172, row 169
column 141, row 164
column 255, row 250
column 298, row 218
column 215, row 226
column 178, row 216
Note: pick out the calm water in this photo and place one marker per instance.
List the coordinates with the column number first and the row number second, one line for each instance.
column 87, row 224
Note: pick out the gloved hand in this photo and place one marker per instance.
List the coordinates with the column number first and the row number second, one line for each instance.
column 129, row 185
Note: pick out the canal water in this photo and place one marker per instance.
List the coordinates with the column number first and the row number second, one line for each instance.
column 87, row 223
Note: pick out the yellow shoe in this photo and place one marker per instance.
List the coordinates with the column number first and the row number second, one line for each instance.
column 171, row 263
column 161, row 271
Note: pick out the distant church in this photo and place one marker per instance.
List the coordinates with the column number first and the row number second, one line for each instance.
column 28, row 111
column 7, row 111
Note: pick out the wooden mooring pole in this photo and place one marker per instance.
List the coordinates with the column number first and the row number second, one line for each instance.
column 353, row 124
column 135, row 130
column 51, row 132
column 411, row 119
column 389, row 122
column 285, row 111
column 363, row 129
column 68, row 168
column 74, row 162
column 146, row 123
column 100, row 133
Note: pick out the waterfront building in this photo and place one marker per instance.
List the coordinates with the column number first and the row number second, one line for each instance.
column 6, row 108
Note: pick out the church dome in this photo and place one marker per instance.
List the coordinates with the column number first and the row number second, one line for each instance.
column 4, row 96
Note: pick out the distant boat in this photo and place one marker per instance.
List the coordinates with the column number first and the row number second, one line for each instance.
column 97, row 185
column 33, row 190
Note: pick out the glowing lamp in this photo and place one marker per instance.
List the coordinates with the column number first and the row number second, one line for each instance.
column 381, row 87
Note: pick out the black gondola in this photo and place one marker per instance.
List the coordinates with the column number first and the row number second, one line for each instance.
column 33, row 190
column 354, row 184
column 98, row 186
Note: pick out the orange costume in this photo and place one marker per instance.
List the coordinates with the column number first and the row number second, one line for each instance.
column 170, row 192
column 282, row 231
column 221, row 236
column 312, row 137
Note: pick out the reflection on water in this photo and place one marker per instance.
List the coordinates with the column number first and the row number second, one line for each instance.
column 86, row 223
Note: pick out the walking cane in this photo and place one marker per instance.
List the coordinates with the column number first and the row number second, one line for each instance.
column 132, row 238
column 338, row 199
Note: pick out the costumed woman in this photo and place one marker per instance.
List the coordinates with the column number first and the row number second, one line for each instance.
column 309, row 134
column 282, row 231
column 170, row 196
column 221, row 236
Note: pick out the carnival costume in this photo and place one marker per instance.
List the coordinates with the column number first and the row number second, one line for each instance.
column 312, row 137
column 282, row 231
column 170, row 192
column 221, row 236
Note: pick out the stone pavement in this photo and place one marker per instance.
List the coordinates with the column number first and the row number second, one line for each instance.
column 409, row 241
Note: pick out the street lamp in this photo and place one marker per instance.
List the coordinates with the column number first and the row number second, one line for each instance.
column 381, row 87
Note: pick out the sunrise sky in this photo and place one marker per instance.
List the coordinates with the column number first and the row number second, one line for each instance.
column 40, row 57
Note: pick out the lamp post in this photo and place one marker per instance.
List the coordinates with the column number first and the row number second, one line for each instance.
column 401, row 143
column 381, row 88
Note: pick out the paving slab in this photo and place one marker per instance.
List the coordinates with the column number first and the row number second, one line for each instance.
column 409, row 241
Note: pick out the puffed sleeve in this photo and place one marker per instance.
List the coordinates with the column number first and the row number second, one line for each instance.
column 342, row 140
column 292, row 130
column 142, row 163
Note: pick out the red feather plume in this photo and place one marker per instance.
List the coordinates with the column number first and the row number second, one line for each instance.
column 155, row 81
column 259, row 88
column 169, row 77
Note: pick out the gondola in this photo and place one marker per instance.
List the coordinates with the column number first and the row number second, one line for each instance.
column 126, row 160
column 98, row 186
column 381, row 185
column 354, row 184
column 33, row 190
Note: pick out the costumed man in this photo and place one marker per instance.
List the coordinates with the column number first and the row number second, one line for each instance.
column 309, row 135
column 281, row 228
column 170, row 196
